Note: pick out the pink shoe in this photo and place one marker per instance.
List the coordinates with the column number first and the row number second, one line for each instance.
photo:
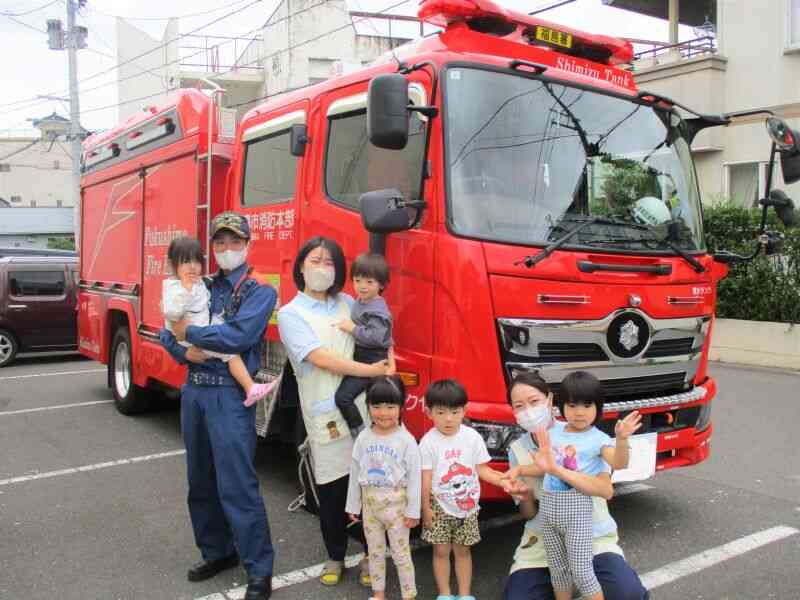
column 258, row 391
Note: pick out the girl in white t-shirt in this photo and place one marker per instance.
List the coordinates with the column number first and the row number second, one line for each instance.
column 185, row 296
column 385, row 486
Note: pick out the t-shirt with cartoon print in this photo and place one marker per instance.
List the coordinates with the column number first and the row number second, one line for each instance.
column 453, row 460
column 385, row 461
column 576, row 451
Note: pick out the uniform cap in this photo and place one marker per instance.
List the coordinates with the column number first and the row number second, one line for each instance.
column 233, row 222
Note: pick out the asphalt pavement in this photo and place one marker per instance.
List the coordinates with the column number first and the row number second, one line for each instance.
column 92, row 503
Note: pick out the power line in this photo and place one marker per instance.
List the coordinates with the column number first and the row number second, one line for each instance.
column 197, row 14
column 23, row 23
column 27, row 12
column 162, row 45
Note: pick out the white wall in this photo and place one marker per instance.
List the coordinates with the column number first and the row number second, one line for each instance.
column 40, row 174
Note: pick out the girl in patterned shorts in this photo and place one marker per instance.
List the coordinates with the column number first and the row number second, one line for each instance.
column 385, row 486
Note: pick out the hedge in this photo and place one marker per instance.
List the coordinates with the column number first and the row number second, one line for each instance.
column 765, row 289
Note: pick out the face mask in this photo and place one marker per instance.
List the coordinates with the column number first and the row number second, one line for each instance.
column 536, row 417
column 231, row 259
column 319, row 279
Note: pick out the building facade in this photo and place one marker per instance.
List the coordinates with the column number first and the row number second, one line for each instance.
column 34, row 172
column 748, row 60
column 36, row 228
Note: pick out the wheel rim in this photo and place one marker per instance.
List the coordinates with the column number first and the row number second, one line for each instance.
column 122, row 369
column 6, row 348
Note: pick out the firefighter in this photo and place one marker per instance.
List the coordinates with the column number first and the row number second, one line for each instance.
column 225, row 503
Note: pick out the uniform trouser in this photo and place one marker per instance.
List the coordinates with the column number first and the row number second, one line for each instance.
column 567, row 537
column 384, row 512
column 333, row 520
column 225, row 502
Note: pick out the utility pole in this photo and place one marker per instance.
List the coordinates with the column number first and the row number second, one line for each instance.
column 73, row 40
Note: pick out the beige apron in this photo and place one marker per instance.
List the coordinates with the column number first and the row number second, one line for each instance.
column 328, row 435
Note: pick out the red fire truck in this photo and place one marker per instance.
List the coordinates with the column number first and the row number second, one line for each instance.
column 538, row 213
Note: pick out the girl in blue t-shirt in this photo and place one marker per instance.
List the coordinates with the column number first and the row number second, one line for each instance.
column 577, row 445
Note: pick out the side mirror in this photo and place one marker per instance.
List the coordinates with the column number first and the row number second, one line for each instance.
column 785, row 138
column 298, row 140
column 784, row 207
column 387, row 111
column 383, row 211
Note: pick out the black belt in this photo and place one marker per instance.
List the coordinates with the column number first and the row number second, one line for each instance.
column 210, row 379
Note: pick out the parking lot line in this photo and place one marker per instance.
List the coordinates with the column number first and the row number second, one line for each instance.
column 709, row 558
column 30, row 410
column 94, row 467
column 10, row 377
column 313, row 572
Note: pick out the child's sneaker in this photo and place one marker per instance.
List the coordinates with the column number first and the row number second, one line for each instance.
column 258, row 391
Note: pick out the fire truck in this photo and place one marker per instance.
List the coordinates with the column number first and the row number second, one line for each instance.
column 538, row 213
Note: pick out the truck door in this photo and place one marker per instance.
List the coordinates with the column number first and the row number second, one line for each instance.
column 268, row 192
column 351, row 166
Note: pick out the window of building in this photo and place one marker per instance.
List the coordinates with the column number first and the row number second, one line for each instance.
column 36, row 283
column 16, row 198
column 270, row 171
column 793, row 25
column 746, row 181
column 354, row 166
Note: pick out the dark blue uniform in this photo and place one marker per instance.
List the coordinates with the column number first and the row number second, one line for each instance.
column 225, row 502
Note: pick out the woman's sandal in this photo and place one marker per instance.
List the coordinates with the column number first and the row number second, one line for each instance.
column 363, row 573
column 331, row 572
column 446, row 597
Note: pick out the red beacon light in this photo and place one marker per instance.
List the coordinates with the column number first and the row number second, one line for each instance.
column 486, row 16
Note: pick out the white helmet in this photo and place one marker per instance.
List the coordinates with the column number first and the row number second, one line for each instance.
column 649, row 210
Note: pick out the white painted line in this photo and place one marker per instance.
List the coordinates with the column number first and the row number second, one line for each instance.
column 314, row 571
column 30, row 410
column 10, row 377
column 630, row 488
column 709, row 558
column 94, row 467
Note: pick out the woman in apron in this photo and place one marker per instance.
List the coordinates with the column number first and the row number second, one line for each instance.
column 321, row 355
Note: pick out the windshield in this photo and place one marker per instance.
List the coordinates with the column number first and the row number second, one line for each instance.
column 529, row 160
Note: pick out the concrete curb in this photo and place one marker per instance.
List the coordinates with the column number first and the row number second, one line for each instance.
column 756, row 343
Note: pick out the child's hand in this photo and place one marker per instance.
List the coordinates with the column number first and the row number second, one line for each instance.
column 544, row 458
column 188, row 280
column 628, row 426
column 427, row 518
column 512, row 474
column 346, row 325
column 353, row 518
column 410, row 523
column 514, row 488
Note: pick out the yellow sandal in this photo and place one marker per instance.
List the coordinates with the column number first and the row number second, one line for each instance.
column 363, row 576
column 331, row 573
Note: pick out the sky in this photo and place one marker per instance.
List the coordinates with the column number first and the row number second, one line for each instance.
column 30, row 68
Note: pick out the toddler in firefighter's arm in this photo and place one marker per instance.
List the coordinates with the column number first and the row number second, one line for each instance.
column 185, row 296
column 370, row 324
column 574, row 447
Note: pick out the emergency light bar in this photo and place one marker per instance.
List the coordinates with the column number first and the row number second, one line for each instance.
column 487, row 17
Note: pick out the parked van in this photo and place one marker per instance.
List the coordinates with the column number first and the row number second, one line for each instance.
column 38, row 310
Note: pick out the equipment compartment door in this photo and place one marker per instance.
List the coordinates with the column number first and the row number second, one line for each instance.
column 170, row 205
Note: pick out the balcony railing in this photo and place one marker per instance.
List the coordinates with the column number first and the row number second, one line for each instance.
column 689, row 49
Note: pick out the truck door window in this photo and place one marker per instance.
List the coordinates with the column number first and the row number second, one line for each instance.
column 353, row 166
column 36, row 283
column 270, row 171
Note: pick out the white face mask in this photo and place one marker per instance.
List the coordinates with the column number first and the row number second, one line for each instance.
column 319, row 279
column 536, row 417
column 231, row 259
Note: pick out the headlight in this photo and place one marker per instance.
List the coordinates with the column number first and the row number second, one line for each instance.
column 497, row 436
column 704, row 418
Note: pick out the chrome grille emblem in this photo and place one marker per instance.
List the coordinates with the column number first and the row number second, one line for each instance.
column 629, row 335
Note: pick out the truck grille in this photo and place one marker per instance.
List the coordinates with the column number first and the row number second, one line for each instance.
column 638, row 387
column 570, row 352
column 670, row 347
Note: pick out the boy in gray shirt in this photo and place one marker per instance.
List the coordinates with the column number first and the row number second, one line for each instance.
column 370, row 324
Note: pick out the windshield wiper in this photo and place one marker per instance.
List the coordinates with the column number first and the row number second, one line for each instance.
column 532, row 260
column 696, row 265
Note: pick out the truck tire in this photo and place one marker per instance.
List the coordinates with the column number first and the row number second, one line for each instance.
column 129, row 399
column 8, row 347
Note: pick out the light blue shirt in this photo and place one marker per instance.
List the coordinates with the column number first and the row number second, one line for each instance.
column 576, row 451
column 296, row 333
column 600, row 526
